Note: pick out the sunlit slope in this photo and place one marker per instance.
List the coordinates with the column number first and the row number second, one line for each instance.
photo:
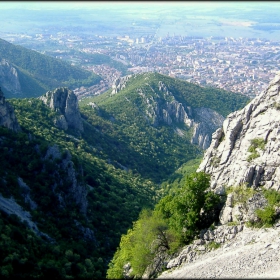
column 38, row 73
column 131, row 129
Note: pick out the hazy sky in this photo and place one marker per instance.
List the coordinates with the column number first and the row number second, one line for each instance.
column 119, row 4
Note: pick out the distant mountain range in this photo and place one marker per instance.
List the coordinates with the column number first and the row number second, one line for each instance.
column 27, row 73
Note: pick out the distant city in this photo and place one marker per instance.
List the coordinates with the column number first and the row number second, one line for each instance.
column 238, row 64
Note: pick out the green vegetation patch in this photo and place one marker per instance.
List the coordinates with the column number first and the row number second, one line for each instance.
column 256, row 143
column 146, row 144
column 115, row 196
column 240, row 193
column 213, row 245
column 268, row 215
column 174, row 222
column 215, row 161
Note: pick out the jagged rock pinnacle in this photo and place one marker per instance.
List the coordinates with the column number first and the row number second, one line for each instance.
column 7, row 115
column 65, row 102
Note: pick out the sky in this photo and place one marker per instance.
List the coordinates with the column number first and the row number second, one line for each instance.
column 110, row 4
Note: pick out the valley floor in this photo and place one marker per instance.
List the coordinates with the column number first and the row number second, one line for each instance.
column 253, row 253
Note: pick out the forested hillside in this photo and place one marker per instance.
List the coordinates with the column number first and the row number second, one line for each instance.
column 135, row 134
column 38, row 73
column 79, row 191
column 81, row 234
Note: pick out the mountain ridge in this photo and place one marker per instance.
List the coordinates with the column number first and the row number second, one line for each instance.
column 35, row 73
column 156, row 107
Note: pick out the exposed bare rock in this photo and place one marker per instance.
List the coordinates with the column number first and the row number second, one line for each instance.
column 9, row 77
column 244, row 151
column 61, row 122
column 204, row 121
column 190, row 253
column 25, row 192
column 65, row 102
column 228, row 158
column 10, row 206
column 120, row 83
column 87, row 232
column 7, row 115
column 251, row 253
column 76, row 191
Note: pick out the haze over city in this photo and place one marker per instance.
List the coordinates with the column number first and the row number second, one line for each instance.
column 231, row 45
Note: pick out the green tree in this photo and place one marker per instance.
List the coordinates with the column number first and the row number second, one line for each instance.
column 188, row 210
column 174, row 222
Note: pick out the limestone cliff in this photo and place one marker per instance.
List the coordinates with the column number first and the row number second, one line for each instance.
column 120, row 84
column 160, row 105
column 65, row 102
column 75, row 190
column 203, row 121
column 7, row 115
column 245, row 151
column 9, row 77
column 246, row 148
column 206, row 122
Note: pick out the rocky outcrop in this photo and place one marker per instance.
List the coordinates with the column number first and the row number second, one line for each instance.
column 245, row 150
column 207, row 240
column 65, row 102
column 206, row 122
column 203, row 121
column 7, row 115
column 219, row 235
column 252, row 253
column 10, row 206
column 9, row 77
column 245, row 211
column 75, row 190
column 25, row 192
column 161, row 106
column 120, row 84
column 243, row 154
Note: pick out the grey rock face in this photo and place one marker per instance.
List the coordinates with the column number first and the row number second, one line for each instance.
column 233, row 159
column 61, row 122
column 245, row 212
column 65, row 102
column 75, row 189
column 228, row 159
column 120, row 83
column 204, row 121
column 7, row 115
column 9, row 77
column 10, row 206
column 170, row 111
column 25, row 192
